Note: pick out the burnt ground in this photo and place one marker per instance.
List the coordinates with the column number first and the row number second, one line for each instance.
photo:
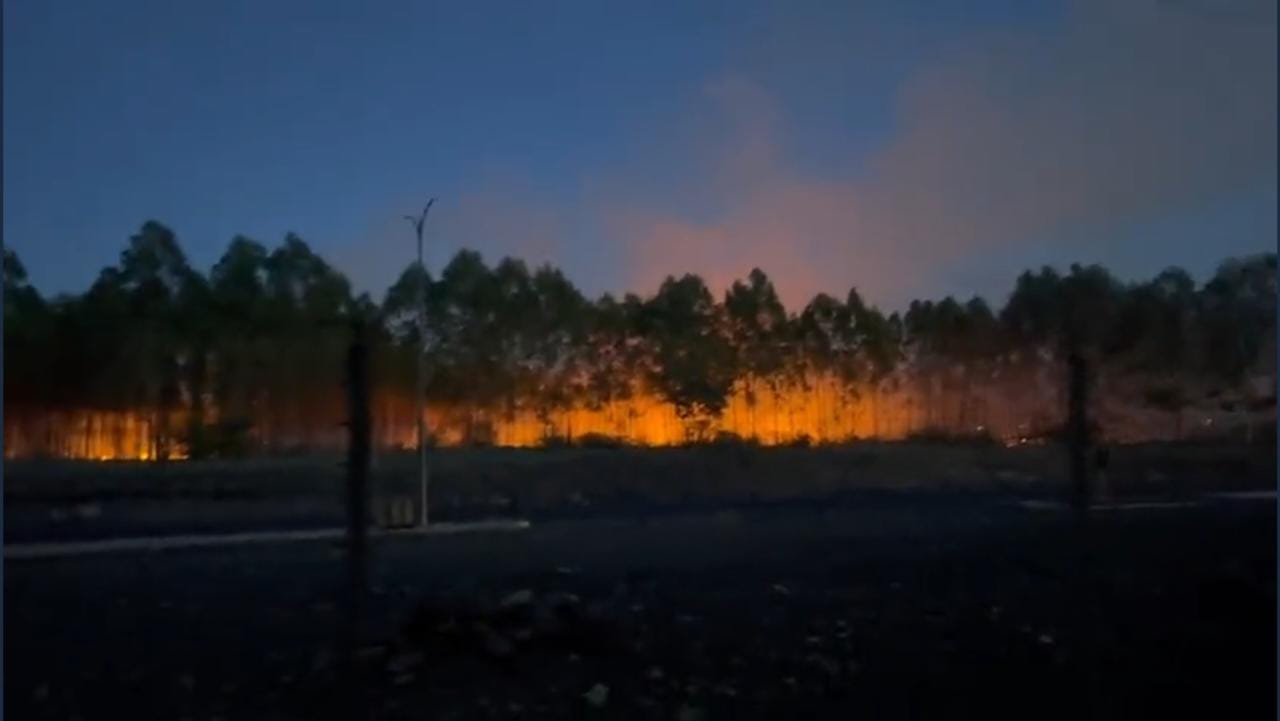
column 913, row 605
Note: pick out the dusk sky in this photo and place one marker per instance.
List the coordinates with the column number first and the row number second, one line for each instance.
column 911, row 149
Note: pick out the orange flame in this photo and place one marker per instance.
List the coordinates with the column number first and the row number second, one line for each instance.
column 1014, row 411
column 89, row 435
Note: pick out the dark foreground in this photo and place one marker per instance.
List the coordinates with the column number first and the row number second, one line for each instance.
column 916, row 605
column 64, row 501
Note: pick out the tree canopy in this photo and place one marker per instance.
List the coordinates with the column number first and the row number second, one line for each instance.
column 248, row 356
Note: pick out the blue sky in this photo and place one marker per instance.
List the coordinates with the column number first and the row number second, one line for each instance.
column 910, row 149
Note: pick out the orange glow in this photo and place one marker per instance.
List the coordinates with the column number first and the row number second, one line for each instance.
column 1018, row 410
column 88, row 435
column 820, row 411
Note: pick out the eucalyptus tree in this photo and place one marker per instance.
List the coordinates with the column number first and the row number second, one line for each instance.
column 1238, row 307
column 166, row 306
column 1237, row 337
column 263, row 338
column 559, row 330
column 396, row 362
column 243, row 343
column 615, row 354
column 306, row 309
column 29, row 328
column 758, row 329
column 879, row 350
column 469, row 371
column 694, row 363
column 827, row 350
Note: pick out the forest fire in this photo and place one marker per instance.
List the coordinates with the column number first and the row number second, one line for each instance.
column 819, row 414
column 822, row 411
column 250, row 360
column 89, row 435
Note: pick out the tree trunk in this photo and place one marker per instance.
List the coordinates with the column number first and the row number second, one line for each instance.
column 874, row 397
column 774, row 393
column 196, row 424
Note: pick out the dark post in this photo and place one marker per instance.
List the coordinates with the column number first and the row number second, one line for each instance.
column 1078, row 428
column 358, row 453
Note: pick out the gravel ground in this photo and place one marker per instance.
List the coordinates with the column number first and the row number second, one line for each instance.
column 908, row 606
column 59, row 500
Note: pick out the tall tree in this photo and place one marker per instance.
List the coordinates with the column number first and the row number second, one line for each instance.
column 879, row 349
column 758, row 329
column 28, row 335
column 307, row 309
column 243, row 342
column 254, row 351
column 468, row 366
column 694, row 361
column 559, row 327
column 162, row 293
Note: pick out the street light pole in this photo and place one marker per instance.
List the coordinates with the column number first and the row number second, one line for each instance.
column 421, row 376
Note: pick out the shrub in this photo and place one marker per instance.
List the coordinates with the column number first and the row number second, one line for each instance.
column 225, row 439
column 939, row 435
column 801, row 441
column 553, row 441
column 729, row 438
column 600, row 440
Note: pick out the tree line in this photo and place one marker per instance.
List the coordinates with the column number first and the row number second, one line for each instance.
column 247, row 357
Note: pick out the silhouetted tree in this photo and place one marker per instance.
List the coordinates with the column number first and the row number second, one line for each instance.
column 251, row 356
column 757, row 325
column 694, row 364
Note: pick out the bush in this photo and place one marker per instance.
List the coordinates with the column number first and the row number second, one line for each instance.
column 980, row 438
column 930, row 434
column 801, row 441
column 553, row 442
column 481, row 434
column 939, row 435
column 225, row 439
column 729, row 438
column 600, row 440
